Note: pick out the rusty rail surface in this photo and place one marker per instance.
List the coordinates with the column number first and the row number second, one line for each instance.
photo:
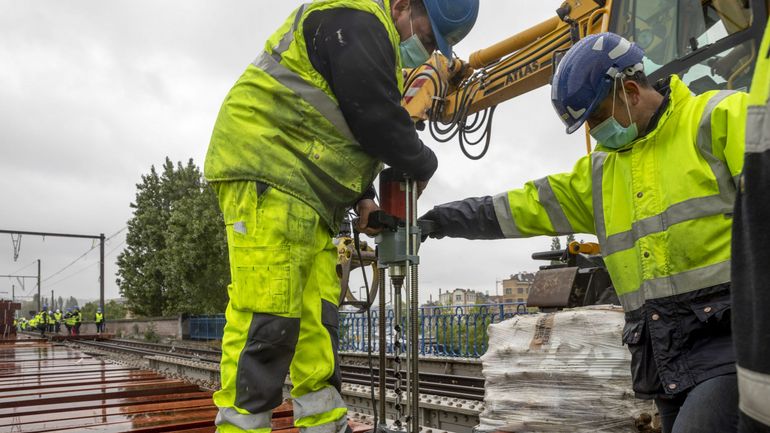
column 54, row 388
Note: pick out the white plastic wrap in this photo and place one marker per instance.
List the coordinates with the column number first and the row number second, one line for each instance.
column 560, row 372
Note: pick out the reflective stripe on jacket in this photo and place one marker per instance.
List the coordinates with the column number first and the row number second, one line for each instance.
column 751, row 274
column 281, row 124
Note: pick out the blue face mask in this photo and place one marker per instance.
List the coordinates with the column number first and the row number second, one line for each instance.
column 413, row 52
column 612, row 134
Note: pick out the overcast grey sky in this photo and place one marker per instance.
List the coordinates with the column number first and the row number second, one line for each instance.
column 94, row 92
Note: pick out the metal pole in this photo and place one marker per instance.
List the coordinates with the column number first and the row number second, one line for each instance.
column 53, row 303
column 13, row 293
column 38, row 285
column 101, row 271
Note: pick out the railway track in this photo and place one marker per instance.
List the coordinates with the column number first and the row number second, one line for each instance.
column 445, row 385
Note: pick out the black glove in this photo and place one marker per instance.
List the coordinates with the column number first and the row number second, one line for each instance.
column 430, row 226
column 472, row 218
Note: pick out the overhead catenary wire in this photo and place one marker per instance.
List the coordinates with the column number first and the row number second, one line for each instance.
column 93, row 247
column 90, row 265
column 23, row 268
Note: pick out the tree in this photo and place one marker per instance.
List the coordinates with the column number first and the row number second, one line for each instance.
column 112, row 311
column 27, row 306
column 570, row 239
column 555, row 243
column 461, row 331
column 175, row 260
column 60, row 303
column 140, row 266
column 89, row 311
column 70, row 303
column 197, row 258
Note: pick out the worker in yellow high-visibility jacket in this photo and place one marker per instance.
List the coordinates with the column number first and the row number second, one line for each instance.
column 298, row 141
column 751, row 257
column 70, row 320
column 57, row 315
column 99, row 320
column 658, row 192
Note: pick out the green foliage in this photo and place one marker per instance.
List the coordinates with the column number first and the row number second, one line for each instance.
column 71, row 302
column 150, row 334
column 555, row 243
column 175, row 260
column 112, row 310
column 198, row 270
column 88, row 311
column 570, row 239
column 463, row 333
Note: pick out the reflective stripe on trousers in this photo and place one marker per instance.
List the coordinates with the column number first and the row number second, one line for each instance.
column 247, row 422
column 695, row 208
column 754, row 391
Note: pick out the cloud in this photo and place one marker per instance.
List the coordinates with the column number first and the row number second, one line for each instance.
column 94, row 93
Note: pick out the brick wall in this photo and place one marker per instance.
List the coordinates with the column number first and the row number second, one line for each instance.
column 164, row 327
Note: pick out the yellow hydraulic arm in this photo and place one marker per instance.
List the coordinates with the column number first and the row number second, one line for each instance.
column 457, row 99
column 450, row 92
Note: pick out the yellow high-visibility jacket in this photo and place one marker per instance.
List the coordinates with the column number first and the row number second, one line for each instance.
column 307, row 150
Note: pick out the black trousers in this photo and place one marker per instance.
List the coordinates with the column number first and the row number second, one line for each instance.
column 711, row 406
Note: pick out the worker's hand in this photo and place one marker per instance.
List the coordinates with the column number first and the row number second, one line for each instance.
column 421, row 184
column 364, row 208
column 430, row 226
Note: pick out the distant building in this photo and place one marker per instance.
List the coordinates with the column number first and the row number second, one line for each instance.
column 459, row 297
column 516, row 288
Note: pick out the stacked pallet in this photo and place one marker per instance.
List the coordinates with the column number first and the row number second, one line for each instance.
column 560, row 372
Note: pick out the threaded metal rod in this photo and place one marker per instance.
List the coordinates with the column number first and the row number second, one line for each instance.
column 382, row 341
column 414, row 337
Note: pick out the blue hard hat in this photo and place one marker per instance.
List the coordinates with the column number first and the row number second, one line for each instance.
column 586, row 73
column 451, row 21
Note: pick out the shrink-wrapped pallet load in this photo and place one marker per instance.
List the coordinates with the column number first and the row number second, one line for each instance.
column 560, row 372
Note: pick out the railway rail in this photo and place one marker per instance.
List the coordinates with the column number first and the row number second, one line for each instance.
column 444, row 385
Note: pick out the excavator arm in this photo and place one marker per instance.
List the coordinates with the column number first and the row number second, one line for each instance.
column 711, row 44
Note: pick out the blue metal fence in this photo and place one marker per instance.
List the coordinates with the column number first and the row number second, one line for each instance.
column 454, row 331
column 207, row 327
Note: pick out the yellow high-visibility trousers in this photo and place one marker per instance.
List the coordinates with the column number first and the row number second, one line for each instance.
column 282, row 315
